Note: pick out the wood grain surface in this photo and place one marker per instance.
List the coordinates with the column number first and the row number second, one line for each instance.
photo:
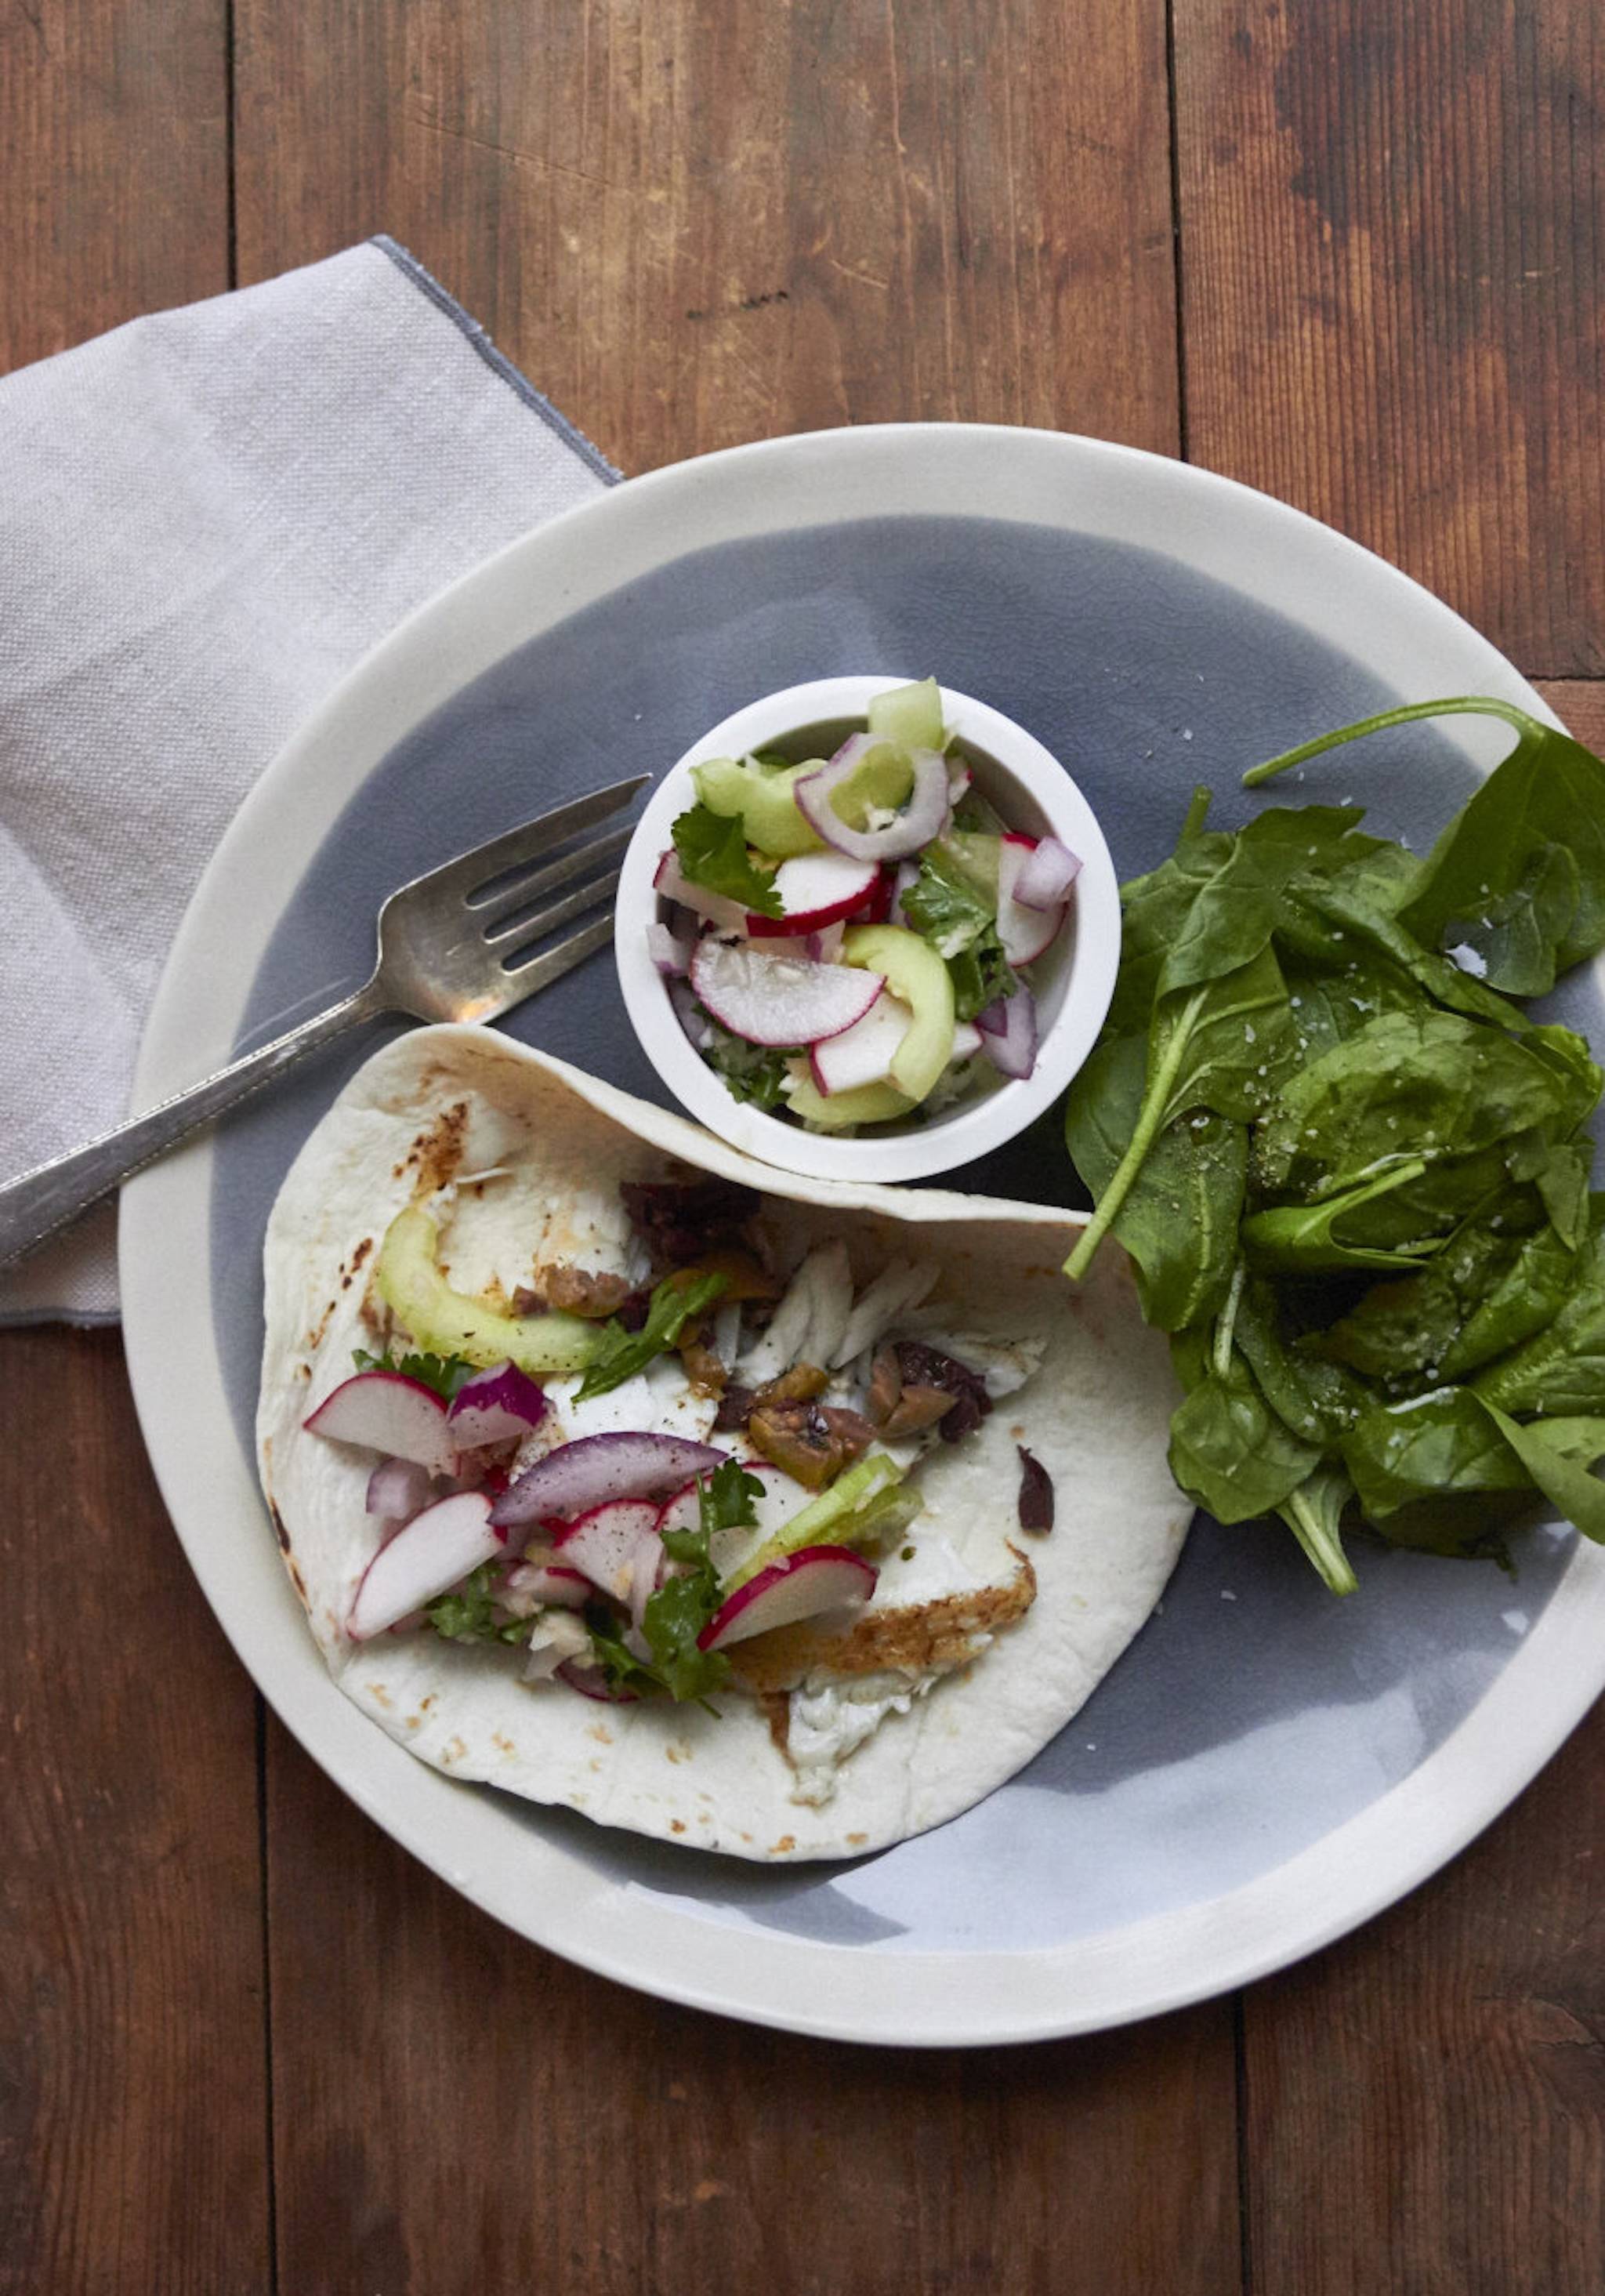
column 245, row 2043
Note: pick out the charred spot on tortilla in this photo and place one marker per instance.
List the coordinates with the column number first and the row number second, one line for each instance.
column 278, row 1531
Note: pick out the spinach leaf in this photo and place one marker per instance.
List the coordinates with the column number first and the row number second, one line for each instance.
column 1318, row 1400
column 1559, row 1456
column 1548, row 793
column 1314, row 1514
column 1230, row 1451
column 1438, row 1442
column 674, row 1302
column 1429, row 1085
column 1489, row 1288
column 1302, row 1239
column 1210, row 1047
column 713, row 852
column 1560, row 1369
column 1180, row 1217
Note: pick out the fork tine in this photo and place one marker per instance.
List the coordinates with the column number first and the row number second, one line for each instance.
column 526, row 974
column 524, row 890
column 528, row 926
column 528, row 842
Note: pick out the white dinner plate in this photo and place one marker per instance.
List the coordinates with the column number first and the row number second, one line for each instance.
column 1268, row 1766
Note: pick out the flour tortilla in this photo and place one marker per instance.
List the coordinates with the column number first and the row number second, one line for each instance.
column 442, row 1103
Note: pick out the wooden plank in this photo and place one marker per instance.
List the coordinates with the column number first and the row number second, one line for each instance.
column 114, row 125
column 694, row 225
column 457, row 2110
column 133, row 2111
column 1426, row 2102
column 1391, row 224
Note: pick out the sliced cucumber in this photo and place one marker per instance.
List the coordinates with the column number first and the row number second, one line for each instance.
column 975, row 855
column 915, row 973
column 442, row 1322
column 859, row 1503
column 910, row 713
column 881, row 780
column 863, row 1103
column 759, row 795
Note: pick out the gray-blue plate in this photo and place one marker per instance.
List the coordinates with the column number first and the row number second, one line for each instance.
column 1267, row 1766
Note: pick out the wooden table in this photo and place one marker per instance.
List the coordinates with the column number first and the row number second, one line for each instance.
column 1349, row 251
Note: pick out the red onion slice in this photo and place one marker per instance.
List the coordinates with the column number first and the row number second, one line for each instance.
column 669, row 951
column 1009, row 1033
column 1046, row 874
column 580, row 1475
column 398, row 1489
column 923, row 817
column 497, row 1405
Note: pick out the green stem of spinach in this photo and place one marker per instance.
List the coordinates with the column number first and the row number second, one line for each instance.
column 1226, row 1322
column 1198, row 812
column 1150, row 1116
column 1481, row 705
column 1323, row 1547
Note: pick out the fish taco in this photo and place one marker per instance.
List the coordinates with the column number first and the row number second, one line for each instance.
column 617, row 1471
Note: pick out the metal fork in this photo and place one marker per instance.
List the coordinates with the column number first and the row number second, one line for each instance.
column 465, row 943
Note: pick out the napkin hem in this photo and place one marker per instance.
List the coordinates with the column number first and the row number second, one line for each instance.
column 469, row 327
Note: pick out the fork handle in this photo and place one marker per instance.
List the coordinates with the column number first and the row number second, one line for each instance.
column 52, row 1195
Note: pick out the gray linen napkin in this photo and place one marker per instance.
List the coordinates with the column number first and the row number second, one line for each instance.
column 206, row 518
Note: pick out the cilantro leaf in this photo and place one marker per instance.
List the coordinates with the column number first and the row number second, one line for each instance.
column 623, row 1670
column 682, row 1607
column 750, row 1072
column 712, row 848
column 468, row 1614
column 981, row 976
column 674, row 1304
column 444, row 1374
column 945, row 907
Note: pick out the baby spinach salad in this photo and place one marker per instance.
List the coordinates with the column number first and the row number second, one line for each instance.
column 1352, row 1170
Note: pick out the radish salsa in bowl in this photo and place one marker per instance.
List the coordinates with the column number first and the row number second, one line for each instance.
column 867, row 930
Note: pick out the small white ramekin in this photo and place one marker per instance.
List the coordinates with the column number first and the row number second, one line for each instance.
column 1073, row 983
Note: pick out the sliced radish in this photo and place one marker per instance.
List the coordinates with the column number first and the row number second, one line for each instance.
column 778, row 1000
column 1009, row 1033
column 496, row 1405
column 398, row 1489
column 922, row 818
column 603, row 1544
column 959, row 778
column 1046, row 876
column 815, row 889
column 669, row 951
column 673, row 884
column 876, row 906
column 864, row 1052
column 821, row 947
column 799, row 1586
column 647, row 1570
column 591, row 1682
column 438, row 1547
column 627, row 1465
column 1024, row 932
column 557, row 1585
column 385, row 1411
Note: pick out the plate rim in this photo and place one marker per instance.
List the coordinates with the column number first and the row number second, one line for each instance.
column 895, row 1995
